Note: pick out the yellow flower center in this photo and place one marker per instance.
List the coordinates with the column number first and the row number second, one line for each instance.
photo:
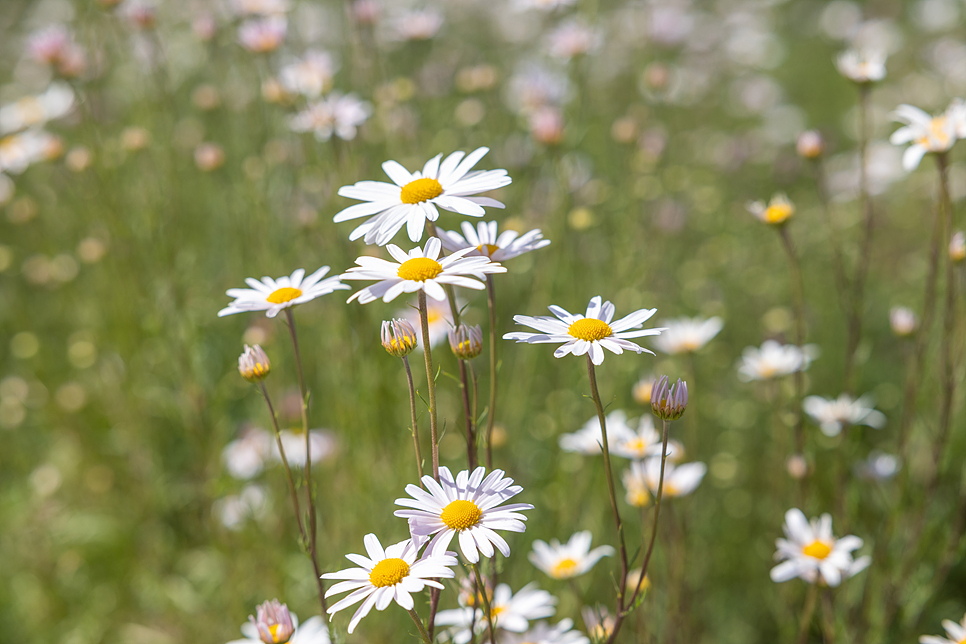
column 564, row 568
column 817, row 549
column 488, row 249
column 938, row 138
column 419, row 269
column 778, row 212
column 637, row 445
column 388, row 572
column 31, row 111
column 590, row 329
column 405, row 344
column 670, row 489
column 283, row 295
column 638, row 497
column 276, row 636
column 420, row 190
column 460, row 515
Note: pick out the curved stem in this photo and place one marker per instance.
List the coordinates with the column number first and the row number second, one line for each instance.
column 430, row 381
column 412, row 410
column 491, row 409
column 419, row 625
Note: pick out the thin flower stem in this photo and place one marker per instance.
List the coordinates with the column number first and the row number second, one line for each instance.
column 807, row 612
column 949, row 321
column 471, row 457
column 430, row 381
column 592, row 375
column 798, row 301
column 281, row 451
column 419, row 625
column 491, row 409
column 412, row 410
column 486, row 603
column 828, row 617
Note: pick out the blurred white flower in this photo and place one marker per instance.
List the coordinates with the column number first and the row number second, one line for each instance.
column 418, row 270
column 322, row 444
column 32, row 111
column 19, row 151
column 687, row 335
column 274, row 296
column 233, row 510
column 274, row 624
column 334, row 114
column 244, row 457
column 439, row 318
column 862, row 66
column 927, row 133
column 834, row 415
column 774, row 360
column 813, row 554
column 572, row 559
column 511, row 612
column 599, row 622
column 642, row 478
column 644, row 442
column 776, row 212
column 956, row 633
column 310, row 75
column 588, row 439
column 420, row 24
column 878, row 466
column 544, row 633
column 903, row 321
column 543, row 5
column 411, row 200
column 244, row 8
column 590, row 333
column 534, row 86
column 485, row 241
column 262, row 35
column 573, row 38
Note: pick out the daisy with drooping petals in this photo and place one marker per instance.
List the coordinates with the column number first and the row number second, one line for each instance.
column 589, row 439
column 926, row 133
column 590, row 333
column 511, row 612
column 956, row 633
column 687, row 335
column 833, row 415
column 642, row 479
column 774, row 360
column 387, row 575
column 274, row 624
column 484, row 240
column 419, row 270
column 572, row 559
column 273, row 296
column 544, row 633
column 812, row 553
column 467, row 506
column 412, row 198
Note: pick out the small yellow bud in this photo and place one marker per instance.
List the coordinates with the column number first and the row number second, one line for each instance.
column 398, row 337
column 466, row 341
column 253, row 363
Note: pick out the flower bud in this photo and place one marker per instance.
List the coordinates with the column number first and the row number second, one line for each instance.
column 253, row 363
column 957, row 247
column 273, row 622
column 668, row 402
column 466, row 341
column 903, row 321
column 810, row 144
column 398, row 337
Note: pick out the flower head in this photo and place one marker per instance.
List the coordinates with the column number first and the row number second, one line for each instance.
column 385, row 575
column 544, row 633
column 903, row 321
column 245, row 456
column 398, row 337
column 878, row 466
column 466, row 342
column 810, row 144
column 927, row 133
column 644, row 442
column 957, row 247
column 253, row 363
column 643, row 478
column 865, row 66
column 589, row 439
column 511, row 612
column 590, row 333
column 484, row 241
column 335, row 114
column 668, row 402
column 812, row 553
column 687, row 335
column 467, row 506
column 310, row 75
column 833, row 415
column 572, row 559
column 275, row 295
column 33, row 111
column 263, row 35
column 273, row 623
column 322, row 445
column 413, row 197
column 956, row 633
column 776, row 212
column 774, row 360
column 419, row 270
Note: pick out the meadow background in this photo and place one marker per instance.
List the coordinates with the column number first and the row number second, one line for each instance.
column 118, row 386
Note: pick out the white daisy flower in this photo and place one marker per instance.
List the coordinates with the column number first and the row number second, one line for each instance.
column 776, row 212
column 956, row 633
column 834, row 415
column 544, row 633
column 321, row 442
column 21, row 150
column 419, row 270
column 573, row 38
column 590, row 333
column 572, row 559
column 273, row 296
column 511, row 612
column 419, row 24
column 235, row 509
column 589, row 439
column 309, row 75
column 387, row 575
column 334, row 114
column 276, row 625
column 812, row 553
column 244, row 457
column 641, row 480
column 774, row 360
column 467, row 506
column 599, row 622
column 687, row 335
column 926, row 133
column 867, row 66
column 263, row 35
column 412, row 198
column 644, row 442
column 484, row 241
column 32, row 111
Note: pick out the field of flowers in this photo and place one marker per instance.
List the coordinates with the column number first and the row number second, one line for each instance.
column 691, row 273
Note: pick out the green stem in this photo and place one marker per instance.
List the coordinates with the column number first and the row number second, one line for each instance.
column 807, row 613
column 419, row 625
column 412, row 410
column 430, row 381
column 491, row 410
column 486, row 603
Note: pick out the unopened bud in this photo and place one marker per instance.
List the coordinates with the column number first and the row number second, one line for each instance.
column 957, row 247
column 398, row 337
column 273, row 622
column 668, row 402
column 903, row 321
column 466, row 341
column 253, row 363
column 810, row 144
column 796, row 466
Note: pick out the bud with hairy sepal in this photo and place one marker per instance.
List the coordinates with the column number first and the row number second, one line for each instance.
column 253, row 363
column 466, row 341
column 398, row 337
column 668, row 402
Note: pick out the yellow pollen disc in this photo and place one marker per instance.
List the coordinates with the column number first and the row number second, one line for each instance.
column 273, row 629
column 778, row 213
column 590, row 329
column 487, row 249
column 460, row 515
column 670, row 489
column 283, row 295
column 817, row 549
column 420, row 190
column 388, row 572
column 419, row 269
column 564, row 568
column 636, row 445
column 496, row 610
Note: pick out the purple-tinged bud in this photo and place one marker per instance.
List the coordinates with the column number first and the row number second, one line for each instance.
column 668, row 402
column 466, row 341
column 398, row 337
column 253, row 363
column 274, row 622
